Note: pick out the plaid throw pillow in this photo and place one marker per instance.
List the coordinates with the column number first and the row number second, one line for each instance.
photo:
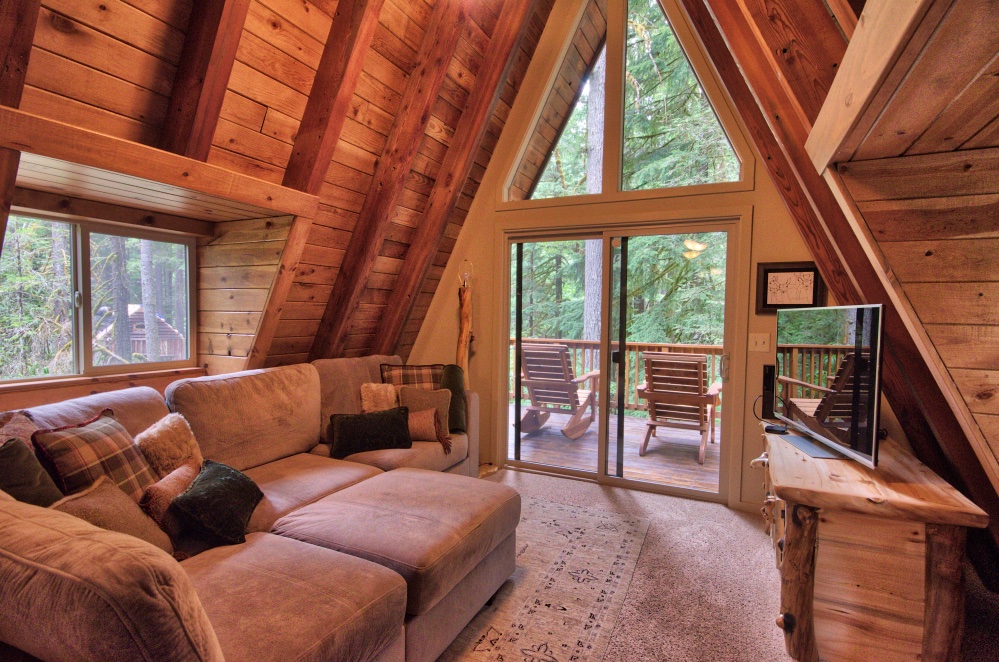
column 77, row 455
column 420, row 376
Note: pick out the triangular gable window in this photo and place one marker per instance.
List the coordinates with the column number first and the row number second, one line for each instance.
column 672, row 136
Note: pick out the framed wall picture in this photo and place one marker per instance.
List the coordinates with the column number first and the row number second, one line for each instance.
column 788, row 285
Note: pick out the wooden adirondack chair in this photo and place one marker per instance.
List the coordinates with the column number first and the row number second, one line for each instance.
column 678, row 396
column 552, row 387
column 831, row 414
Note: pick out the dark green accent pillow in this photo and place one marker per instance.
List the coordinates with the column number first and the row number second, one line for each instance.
column 356, row 433
column 453, row 379
column 23, row 477
column 217, row 506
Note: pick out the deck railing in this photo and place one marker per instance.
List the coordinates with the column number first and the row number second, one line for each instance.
column 808, row 363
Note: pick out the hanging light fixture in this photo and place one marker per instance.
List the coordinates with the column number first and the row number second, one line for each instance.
column 690, row 255
column 694, row 245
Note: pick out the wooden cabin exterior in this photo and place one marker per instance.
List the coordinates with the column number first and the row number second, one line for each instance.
column 333, row 162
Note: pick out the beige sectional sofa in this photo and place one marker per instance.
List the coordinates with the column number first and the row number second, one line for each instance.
column 375, row 557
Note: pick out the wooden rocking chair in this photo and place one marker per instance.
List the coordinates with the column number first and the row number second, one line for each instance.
column 832, row 413
column 678, row 396
column 551, row 387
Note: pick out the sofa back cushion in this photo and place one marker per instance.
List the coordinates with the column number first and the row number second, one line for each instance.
column 340, row 384
column 73, row 591
column 135, row 408
column 246, row 419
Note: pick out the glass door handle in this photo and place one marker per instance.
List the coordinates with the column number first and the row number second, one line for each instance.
column 616, row 356
column 723, row 367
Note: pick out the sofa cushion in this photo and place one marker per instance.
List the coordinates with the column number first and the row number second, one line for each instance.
column 76, row 455
column 353, row 433
column 296, row 481
column 136, row 408
column 246, row 419
column 274, row 598
column 72, row 591
column 168, row 443
column 433, row 543
column 423, row 455
column 23, row 477
column 103, row 504
column 216, row 507
column 340, row 384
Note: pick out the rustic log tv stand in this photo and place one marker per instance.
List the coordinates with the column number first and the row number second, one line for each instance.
column 871, row 560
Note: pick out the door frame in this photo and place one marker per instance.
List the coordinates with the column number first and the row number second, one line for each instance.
column 737, row 221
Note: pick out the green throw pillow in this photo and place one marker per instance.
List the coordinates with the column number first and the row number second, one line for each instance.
column 22, row 476
column 453, row 379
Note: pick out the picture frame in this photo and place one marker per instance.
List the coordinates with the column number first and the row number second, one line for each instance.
column 782, row 285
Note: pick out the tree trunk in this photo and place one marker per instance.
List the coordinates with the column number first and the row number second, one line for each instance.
column 63, row 311
column 119, row 281
column 594, row 174
column 149, row 307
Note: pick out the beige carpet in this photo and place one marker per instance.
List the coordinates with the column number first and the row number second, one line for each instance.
column 703, row 588
column 574, row 566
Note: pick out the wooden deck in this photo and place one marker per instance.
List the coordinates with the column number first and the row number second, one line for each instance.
column 670, row 460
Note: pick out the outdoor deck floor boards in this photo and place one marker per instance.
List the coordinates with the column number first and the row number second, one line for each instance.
column 671, row 458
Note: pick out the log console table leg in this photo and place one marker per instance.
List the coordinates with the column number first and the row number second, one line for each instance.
column 797, row 583
column 943, row 620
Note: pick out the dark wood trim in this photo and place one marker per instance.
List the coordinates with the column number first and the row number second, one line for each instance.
column 199, row 86
column 497, row 61
column 17, row 32
column 439, row 43
column 63, row 205
column 928, row 422
column 340, row 67
column 943, row 624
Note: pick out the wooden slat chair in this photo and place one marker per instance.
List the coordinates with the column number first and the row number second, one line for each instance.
column 832, row 413
column 551, row 387
column 678, row 396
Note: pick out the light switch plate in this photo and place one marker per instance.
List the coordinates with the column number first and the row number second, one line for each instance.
column 759, row 342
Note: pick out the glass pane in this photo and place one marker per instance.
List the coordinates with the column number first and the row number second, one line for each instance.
column 36, row 303
column 672, row 136
column 560, row 284
column 145, row 284
column 576, row 161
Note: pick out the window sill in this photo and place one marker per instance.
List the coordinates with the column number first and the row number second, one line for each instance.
column 36, row 392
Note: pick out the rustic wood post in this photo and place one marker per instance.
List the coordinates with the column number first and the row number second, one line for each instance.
column 464, row 328
column 943, row 616
column 797, row 583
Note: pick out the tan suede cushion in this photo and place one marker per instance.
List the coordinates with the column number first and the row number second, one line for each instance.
column 423, row 455
column 296, row 481
column 340, row 384
column 72, row 591
column 441, row 526
column 423, row 425
column 246, row 419
column 103, row 504
column 273, row 598
column 136, row 408
column 418, row 399
column 168, row 443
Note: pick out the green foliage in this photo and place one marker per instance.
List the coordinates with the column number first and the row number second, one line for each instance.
column 671, row 298
column 566, row 171
column 817, row 327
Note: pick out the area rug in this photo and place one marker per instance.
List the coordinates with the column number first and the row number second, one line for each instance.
column 574, row 567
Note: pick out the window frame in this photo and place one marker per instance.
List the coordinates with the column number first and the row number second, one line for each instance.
column 81, row 289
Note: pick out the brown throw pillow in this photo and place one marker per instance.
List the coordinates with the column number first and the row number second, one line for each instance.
column 378, row 397
column 427, row 425
column 168, row 443
column 103, row 504
column 77, row 455
column 157, row 498
column 418, row 399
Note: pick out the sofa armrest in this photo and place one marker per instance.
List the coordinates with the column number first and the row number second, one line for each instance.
column 472, row 429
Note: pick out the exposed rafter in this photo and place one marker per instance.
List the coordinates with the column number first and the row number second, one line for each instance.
column 489, row 82
column 17, row 32
column 928, row 422
column 350, row 36
column 199, row 87
column 446, row 26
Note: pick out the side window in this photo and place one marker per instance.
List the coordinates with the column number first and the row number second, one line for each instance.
column 78, row 298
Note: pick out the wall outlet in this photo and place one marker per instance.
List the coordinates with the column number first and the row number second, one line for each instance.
column 759, row 342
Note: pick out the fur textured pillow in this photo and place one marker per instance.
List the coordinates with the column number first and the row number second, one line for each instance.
column 103, row 504
column 168, row 443
column 378, row 397
column 77, row 455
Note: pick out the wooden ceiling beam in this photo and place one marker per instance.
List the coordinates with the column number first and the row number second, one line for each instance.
column 213, row 34
column 17, row 32
column 497, row 60
column 929, row 424
column 328, row 106
column 446, row 26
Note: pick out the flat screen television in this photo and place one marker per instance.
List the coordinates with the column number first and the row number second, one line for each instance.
column 829, row 376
